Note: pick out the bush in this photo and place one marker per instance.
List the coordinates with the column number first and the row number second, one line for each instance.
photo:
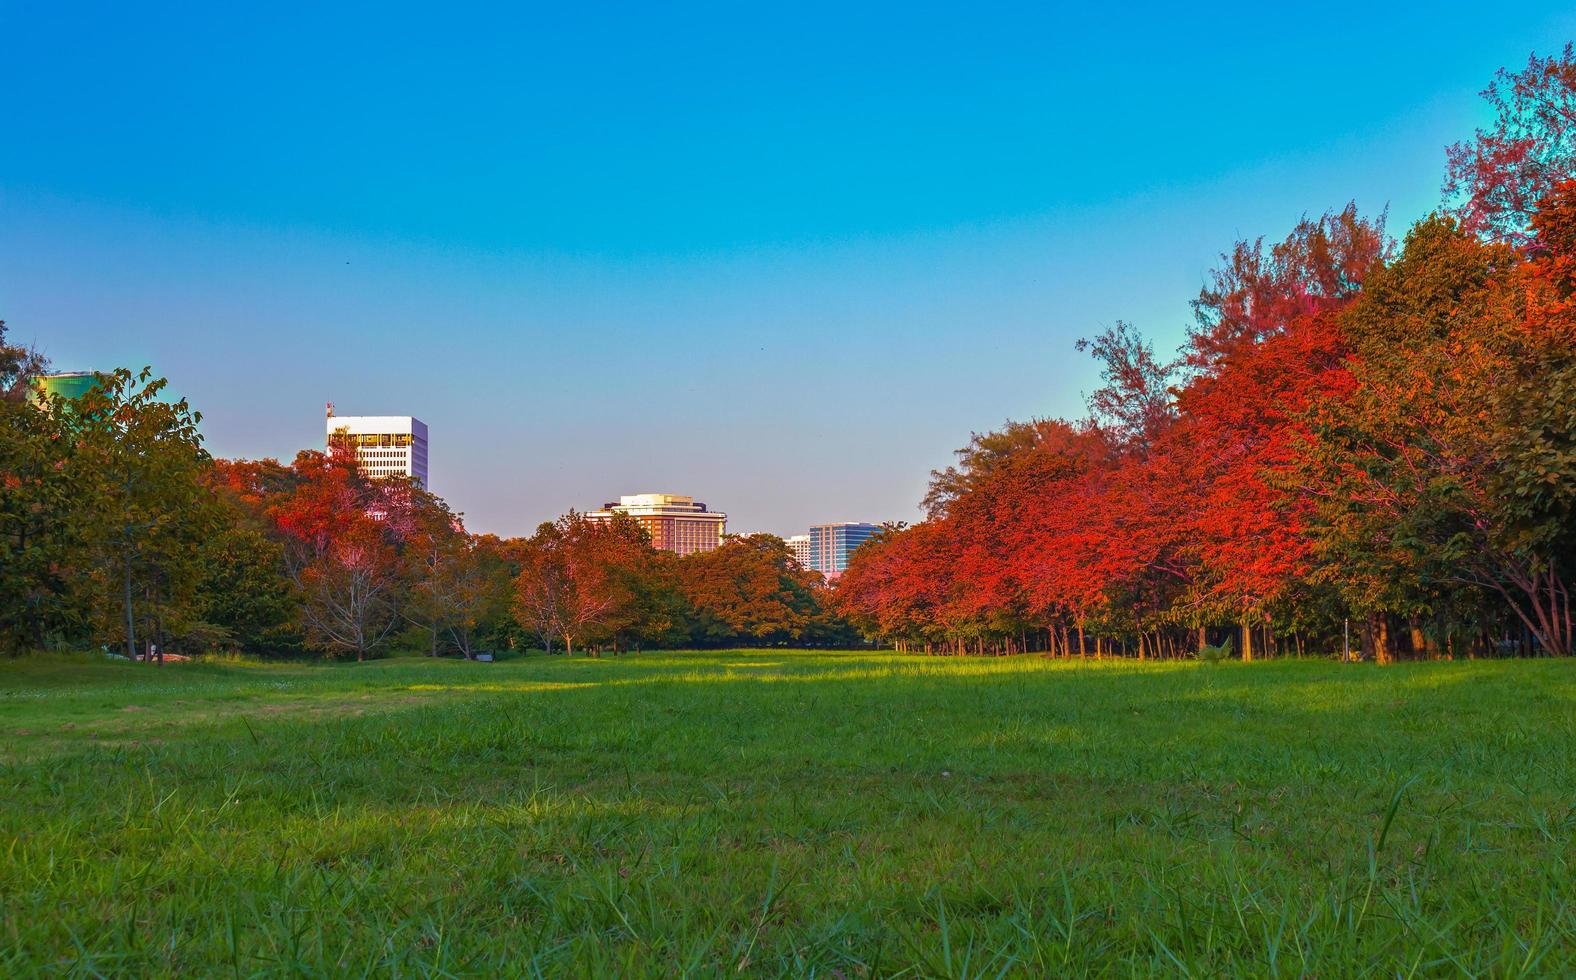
column 1214, row 655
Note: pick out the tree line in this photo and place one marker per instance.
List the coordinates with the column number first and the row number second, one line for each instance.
column 118, row 529
column 1362, row 442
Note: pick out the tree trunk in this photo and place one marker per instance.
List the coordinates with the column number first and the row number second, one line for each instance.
column 1247, row 642
column 1377, row 636
column 131, row 627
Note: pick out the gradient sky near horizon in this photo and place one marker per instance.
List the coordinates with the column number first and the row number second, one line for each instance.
column 782, row 258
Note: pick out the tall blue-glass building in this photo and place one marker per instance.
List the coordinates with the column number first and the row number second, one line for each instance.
column 831, row 544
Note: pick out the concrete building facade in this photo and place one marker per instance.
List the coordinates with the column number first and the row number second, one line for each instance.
column 385, row 445
column 799, row 547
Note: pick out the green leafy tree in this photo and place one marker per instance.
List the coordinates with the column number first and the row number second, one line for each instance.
column 40, row 529
column 475, row 585
column 459, row 584
column 1448, row 465
column 244, row 599
column 139, row 461
column 433, row 544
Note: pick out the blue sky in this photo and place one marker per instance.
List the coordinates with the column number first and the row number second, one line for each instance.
column 784, row 259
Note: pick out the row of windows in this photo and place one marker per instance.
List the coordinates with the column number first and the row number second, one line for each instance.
column 371, row 438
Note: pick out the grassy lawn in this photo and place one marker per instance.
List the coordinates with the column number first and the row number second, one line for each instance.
column 771, row 812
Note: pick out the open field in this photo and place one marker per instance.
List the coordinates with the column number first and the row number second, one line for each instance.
column 770, row 812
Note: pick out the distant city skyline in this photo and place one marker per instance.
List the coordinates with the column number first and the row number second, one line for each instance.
column 786, row 259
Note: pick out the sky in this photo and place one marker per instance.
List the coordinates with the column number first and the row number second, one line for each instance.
column 784, row 258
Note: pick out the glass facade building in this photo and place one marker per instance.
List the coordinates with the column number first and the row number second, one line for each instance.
column 831, row 544
column 71, row 384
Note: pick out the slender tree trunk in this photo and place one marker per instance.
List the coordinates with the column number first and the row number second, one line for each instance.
column 131, row 626
column 1247, row 642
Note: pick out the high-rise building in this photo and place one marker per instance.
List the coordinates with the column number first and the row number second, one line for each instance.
column 831, row 544
column 68, row 384
column 385, row 445
column 675, row 522
column 799, row 547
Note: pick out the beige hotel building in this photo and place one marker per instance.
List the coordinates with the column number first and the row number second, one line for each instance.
column 675, row 522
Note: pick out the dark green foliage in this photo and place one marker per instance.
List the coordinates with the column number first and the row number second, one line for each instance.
column 41, row 544
column 244, row 591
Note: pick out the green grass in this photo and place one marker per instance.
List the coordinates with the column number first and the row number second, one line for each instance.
column 770, row 812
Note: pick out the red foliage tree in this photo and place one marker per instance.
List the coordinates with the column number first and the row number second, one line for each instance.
column 341, row 534
column 1500, row 175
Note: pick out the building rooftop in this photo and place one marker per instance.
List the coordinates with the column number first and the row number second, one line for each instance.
column 359, row 424
column 657, row 501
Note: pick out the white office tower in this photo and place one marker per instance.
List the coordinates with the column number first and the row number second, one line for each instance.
column 386, row 445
